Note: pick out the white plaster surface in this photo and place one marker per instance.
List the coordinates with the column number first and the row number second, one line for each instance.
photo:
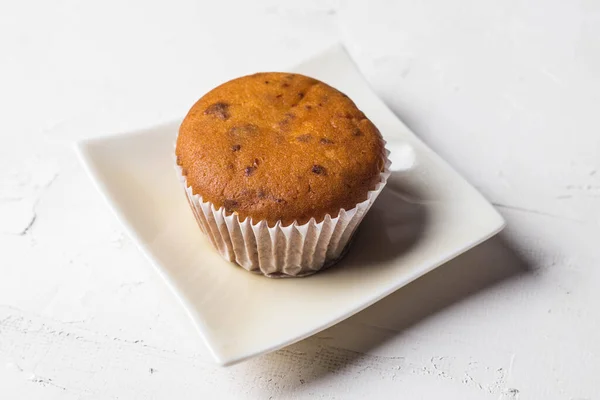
column 508, row 92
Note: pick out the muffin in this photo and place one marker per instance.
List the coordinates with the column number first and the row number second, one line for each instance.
column 279, row 170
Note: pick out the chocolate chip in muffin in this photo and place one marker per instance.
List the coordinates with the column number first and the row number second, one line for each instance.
column 230, row 205
column 326, row 141
column 284, row 124
column 219, row 110
column 236, row 147
column 304, row 138
column 248, row 171
column 319, row 170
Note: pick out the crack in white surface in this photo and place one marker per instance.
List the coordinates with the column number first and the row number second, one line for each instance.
column 30, row 224
column 45, row 382
column 510, row 394
column 17, row 321
column 21, row 193
column 536, row 212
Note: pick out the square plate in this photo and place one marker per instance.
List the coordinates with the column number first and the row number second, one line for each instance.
column 426, row 215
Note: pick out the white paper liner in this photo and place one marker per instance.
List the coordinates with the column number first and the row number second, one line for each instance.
column 295, row 250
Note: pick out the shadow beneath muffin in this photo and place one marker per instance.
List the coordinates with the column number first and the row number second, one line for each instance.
column 351, row 346
column 393, row 226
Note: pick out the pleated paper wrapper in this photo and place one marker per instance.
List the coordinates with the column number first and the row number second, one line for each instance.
column 280, row 251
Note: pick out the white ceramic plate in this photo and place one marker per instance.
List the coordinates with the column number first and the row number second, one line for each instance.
column 427, row 215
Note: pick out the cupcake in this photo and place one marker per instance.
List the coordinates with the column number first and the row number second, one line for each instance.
column 279, row 170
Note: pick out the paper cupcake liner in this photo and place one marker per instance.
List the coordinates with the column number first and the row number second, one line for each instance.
column 280, row 251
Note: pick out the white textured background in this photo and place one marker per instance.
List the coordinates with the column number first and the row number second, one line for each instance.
column 507, row 91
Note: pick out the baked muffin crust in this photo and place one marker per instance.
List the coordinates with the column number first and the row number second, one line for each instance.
column 279, row 147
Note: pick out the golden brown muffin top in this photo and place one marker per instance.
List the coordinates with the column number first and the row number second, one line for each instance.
column 279, row 146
